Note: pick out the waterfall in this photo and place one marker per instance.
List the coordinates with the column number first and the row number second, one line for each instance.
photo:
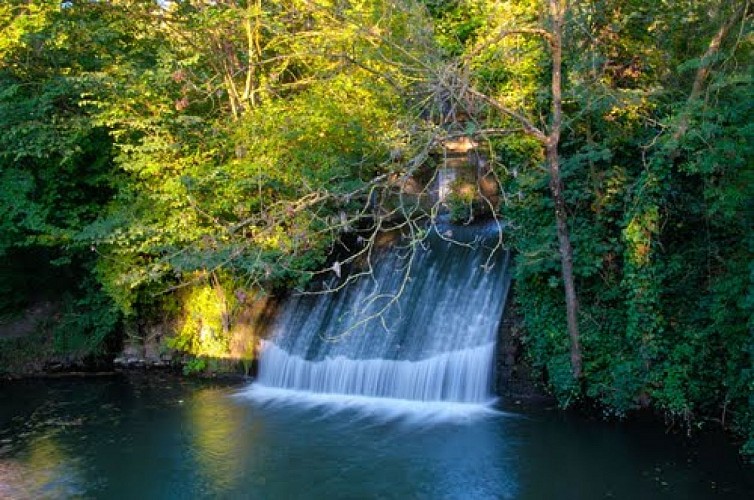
column 422, row 326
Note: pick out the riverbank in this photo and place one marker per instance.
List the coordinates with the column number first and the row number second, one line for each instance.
column 28, row 349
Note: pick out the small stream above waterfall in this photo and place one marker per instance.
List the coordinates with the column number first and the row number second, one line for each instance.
column 421, row 326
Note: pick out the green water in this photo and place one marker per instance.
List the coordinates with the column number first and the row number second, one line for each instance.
column 163, row 437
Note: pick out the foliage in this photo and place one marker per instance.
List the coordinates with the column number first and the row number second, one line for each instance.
column 145, row 145
column 206, row 319
column 55, row 169
column 194, row 366
column 250, row 181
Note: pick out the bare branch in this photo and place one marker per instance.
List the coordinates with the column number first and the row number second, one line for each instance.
column 526, row 124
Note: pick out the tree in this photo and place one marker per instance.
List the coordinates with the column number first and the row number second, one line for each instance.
column 253, row 181
column 56, row 173
column 657, row 235
column 549, row 139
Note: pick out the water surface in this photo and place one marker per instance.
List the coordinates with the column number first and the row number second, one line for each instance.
column 164, row 437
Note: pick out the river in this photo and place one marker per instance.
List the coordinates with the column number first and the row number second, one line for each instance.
column 159, row 436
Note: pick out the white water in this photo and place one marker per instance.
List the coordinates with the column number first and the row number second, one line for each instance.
column 436, row 342
column 370, row 409
column 451, row 376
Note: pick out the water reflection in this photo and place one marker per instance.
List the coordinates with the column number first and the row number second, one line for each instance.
column 214, row 428
column 41, row 468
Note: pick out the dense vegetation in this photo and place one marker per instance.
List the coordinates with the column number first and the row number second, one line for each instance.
column 154, row 155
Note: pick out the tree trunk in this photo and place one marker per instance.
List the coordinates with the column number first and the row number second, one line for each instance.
column 566, row 258
column 557, row 13
column 551, row 142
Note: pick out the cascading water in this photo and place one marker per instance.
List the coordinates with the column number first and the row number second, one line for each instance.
column 428, row 335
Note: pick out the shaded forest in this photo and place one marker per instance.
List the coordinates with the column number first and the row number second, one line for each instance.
column 175, row 157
